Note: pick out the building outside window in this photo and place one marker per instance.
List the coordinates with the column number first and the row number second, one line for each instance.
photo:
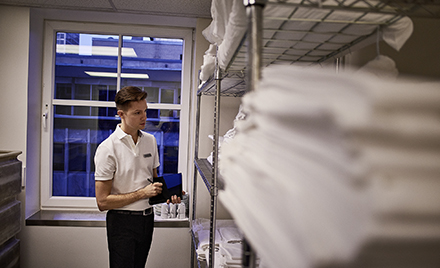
column 87, row 70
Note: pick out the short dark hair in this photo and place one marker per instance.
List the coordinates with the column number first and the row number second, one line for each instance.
column 128, row 94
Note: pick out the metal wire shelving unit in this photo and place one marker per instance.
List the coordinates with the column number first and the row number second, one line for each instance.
column 264, row 45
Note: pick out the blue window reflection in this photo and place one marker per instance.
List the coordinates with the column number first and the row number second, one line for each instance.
column 84, row 70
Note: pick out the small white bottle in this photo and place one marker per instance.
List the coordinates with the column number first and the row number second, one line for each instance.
column 182, row 211
column 164, row 211
column 173, row 211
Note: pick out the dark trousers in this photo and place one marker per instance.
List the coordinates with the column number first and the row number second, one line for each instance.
column 129, row 239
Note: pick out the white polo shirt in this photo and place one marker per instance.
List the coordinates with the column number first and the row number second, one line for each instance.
column 129, row 165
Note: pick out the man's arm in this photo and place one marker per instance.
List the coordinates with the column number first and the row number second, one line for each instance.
column 107, row 201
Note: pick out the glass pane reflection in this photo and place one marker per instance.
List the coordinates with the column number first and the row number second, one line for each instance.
column 79, row 130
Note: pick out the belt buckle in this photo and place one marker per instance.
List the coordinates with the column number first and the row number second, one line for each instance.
column 145, row 213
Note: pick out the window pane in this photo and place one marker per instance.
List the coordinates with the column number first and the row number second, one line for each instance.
column 168, row 95
column 85, row 69
column 153, row 64
column 103, row 92
column 78, row 132
column 76, row 135
column 82, row 92
column 166, row 131
column 153, row 94
column 63, row 91
column 85, row 66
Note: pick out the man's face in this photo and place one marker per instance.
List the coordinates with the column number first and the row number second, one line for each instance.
column 135, row 116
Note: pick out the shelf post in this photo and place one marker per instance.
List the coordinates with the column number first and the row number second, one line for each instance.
column 194, row 189
column 214, row 186
column 254, row 12
column 249, row 257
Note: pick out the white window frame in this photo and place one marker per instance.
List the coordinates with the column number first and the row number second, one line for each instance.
column 51, row 28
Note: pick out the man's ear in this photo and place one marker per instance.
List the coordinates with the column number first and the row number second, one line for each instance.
column 120, row 113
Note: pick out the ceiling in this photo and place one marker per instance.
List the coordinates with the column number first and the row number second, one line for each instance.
column 181, row 8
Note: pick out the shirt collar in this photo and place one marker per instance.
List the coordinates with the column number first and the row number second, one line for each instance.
column 121, row 134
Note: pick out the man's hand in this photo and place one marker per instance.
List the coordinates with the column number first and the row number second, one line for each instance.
column 153, row 189
column 175, row 199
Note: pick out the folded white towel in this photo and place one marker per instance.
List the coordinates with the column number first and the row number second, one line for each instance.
column 334, row 160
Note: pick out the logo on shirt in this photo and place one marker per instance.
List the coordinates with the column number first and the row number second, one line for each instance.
column 147, row 155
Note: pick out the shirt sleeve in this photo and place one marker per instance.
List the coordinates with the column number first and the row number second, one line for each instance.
column 156, row 155
column 105, row 164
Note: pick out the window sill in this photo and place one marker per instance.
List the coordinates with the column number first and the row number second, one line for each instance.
column 89, row 219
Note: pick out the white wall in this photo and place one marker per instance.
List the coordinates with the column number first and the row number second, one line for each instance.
column 48, row 246
column 229, row 109
column 419, row 56
column 20, row 81
column 14, row 54
column 86, row 247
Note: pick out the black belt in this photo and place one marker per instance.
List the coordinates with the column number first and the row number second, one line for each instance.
column 146, row 212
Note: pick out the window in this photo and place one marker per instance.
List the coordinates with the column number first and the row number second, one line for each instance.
column 85, row 65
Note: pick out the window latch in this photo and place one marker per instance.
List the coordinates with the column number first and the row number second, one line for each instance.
column 45, row 113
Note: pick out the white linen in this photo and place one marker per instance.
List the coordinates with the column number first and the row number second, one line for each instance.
column 382, row 66
column 334, row 161
column 231, row 235
column 235, row 28
column 398, row 33
column 228, row 242
column 304, row 32
column 220, row 11
column 229, row 135
column 203, row 237
column 208, row 66
column 204, row 224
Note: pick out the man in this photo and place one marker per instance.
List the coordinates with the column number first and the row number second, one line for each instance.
column 124, row 164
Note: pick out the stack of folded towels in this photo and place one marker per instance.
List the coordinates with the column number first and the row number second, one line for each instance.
column 228, row 242
column 327, row 163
